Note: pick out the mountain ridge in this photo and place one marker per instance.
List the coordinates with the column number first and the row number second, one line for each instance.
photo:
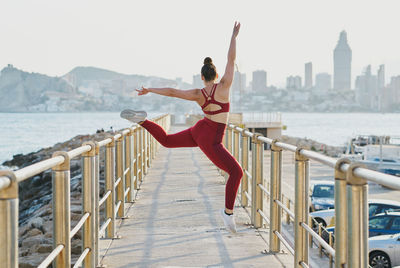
column 84, row 88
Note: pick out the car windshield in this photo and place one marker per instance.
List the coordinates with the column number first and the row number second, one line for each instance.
column 325, row 191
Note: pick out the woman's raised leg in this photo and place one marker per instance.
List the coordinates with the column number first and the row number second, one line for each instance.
column 181, row 139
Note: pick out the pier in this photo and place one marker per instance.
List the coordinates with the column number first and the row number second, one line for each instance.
column 161, row 205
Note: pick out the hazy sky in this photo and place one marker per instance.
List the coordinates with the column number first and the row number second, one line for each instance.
column 171, row 38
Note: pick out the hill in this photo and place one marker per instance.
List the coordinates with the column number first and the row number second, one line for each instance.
column 81, row 89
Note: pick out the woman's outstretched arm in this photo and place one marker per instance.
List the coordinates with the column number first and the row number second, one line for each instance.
column 227, row 79
column 191, row 94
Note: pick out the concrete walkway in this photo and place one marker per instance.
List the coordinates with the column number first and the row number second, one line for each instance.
column 175, row 221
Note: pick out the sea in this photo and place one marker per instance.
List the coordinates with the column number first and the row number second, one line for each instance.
column 23, row 133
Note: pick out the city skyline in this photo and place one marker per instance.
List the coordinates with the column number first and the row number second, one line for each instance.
column 142, row 38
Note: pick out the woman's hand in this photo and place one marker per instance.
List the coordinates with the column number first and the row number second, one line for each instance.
column 143, row 91
column 236, row 29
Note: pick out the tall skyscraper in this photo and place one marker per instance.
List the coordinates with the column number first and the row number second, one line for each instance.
column 308, row 81
column 239, row 82
column 342, row 63
column 259, row 82
column 323, row 81
column 381, row 77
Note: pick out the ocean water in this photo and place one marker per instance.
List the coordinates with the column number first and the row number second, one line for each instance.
column 28, row 132
column 337, row 128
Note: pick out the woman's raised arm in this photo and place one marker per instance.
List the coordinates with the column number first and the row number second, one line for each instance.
column 191, row 94
column 227, row 79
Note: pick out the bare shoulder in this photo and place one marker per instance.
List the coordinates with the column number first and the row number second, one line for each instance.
column 222, row 92
column 196, row 93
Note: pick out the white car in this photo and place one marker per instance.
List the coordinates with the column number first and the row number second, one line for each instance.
column 384, row 251
column 375, row 206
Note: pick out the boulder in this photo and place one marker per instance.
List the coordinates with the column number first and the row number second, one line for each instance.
column 33, row 232
column 38, row 239
column 42, row 248
column 36, row 223
column 31, row 260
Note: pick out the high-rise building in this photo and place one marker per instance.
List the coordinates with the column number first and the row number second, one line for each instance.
column 342, row 63
column 366, row 87
column 381, row 77
column 293, row 82
column 323, row 81
column 239, row 82
column 259, row 82
column 308, row 76
column 395, row 88
column 197, row 82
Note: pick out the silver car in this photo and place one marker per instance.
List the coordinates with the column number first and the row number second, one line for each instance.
column 384, row 251
column 375, row 206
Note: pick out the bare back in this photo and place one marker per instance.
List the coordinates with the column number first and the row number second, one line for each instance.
column 220, row 97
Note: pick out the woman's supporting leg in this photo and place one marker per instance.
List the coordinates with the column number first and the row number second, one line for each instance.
column 221, row 157
column 180, row 139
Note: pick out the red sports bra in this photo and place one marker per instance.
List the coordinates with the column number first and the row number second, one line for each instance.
column 210, row 99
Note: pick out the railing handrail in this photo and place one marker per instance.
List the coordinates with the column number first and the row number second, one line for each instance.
column 350, row 177
column 129, row 154
column 34, row 169
column 365, row 173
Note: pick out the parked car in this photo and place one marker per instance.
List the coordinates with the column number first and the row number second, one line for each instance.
column 382, row 224
column 375, row 206
column 322, row 195
column 384, row 251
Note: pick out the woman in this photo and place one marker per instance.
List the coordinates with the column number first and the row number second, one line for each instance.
column 207, row 133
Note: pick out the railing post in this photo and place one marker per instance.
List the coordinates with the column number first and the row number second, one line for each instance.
column 110, row 186
column 301, row 208
column 88, row 198
column 135, row 153
column 61, row 211
column 128, row 164
column 357, row 239
column 148, row 152
column 144, row 152
column 96, row 203
column 310, row 237
column 153, row 147
column 275, row 194
column 257, row 179
column 141, row 152
column 9, row 222
column 120, row 168
column 340, row 214
column 245, row 166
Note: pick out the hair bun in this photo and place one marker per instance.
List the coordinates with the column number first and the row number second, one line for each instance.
column 208, row 60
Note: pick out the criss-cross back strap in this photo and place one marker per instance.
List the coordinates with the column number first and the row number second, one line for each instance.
column 213, row 90
column 204, row 93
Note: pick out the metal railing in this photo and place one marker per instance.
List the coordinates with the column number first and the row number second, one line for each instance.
column 351, row 207
column 128, row 156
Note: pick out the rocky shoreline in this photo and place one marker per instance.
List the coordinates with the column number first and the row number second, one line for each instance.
column 35, row 195
column 309, row 144
column 35, row 201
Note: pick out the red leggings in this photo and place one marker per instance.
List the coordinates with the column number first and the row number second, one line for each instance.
column 207, row 135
